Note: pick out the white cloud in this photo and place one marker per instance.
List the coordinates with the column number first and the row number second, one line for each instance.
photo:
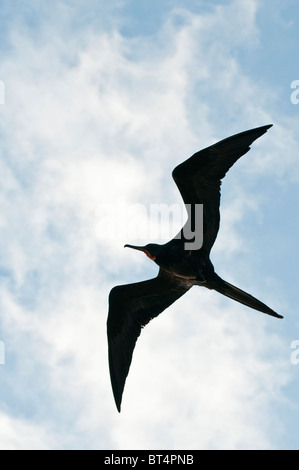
column 108, row 125
column 17, row 434
column 198, row 379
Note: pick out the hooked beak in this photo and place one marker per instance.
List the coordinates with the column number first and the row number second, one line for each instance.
column 141, row 248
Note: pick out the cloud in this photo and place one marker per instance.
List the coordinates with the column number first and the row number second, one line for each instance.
column 19, row 434
column 202, row 378
column 98, row 121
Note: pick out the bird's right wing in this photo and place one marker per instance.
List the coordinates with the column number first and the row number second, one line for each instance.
column 131, row 307
column 199, row 178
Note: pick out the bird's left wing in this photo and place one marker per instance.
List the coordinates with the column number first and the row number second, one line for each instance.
column 199, row 178
column 131, row 307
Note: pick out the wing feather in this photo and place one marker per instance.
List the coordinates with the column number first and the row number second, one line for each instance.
column 131, row 307
column 199, row 178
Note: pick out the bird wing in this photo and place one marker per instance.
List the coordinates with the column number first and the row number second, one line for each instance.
column 131, row 307
column 199, row 178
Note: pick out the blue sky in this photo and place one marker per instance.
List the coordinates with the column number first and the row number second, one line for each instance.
column 101, row 103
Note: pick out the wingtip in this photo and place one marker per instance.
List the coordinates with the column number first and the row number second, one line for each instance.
column 264, row 129
column 274, row 314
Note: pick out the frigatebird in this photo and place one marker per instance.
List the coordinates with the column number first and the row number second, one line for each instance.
column 132, row 306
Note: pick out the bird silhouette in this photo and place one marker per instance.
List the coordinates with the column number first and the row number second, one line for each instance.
column 182, row 265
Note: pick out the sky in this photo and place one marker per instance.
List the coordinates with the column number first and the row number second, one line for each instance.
column 99, row 101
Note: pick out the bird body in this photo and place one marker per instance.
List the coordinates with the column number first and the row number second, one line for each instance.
column 181, row 265
column 193, row 265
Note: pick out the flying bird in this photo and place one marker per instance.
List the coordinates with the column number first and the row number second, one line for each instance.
column 181, row 265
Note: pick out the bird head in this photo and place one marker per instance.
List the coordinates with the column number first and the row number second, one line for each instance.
column 151, row 250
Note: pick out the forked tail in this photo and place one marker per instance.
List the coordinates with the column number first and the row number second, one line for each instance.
column 239, row 295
